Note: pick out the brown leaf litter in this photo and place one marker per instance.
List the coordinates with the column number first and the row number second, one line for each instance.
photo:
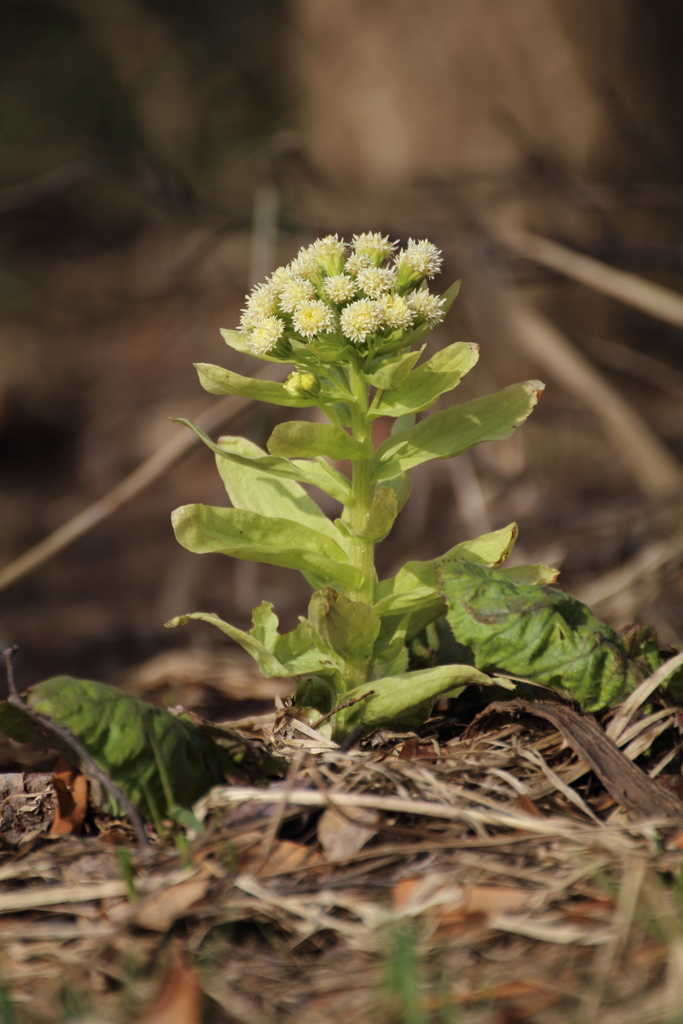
column 527, row 864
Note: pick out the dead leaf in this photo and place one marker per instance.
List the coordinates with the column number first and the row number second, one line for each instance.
column 287, row 856
column 495, row 899
column 180, row 999
column 71, row 787
column 158, row 912
column 342, row 836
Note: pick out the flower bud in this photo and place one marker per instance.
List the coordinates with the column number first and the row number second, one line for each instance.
column 302, row 385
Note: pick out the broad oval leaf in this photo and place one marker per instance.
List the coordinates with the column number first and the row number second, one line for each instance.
column 298, row 438
column 453, row 431
column 255, row 538
column 256, row 490
column 423, row 386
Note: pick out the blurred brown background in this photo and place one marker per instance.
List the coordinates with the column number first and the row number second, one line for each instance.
column 157, row 158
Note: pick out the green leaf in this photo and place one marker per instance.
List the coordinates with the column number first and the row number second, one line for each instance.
column 423, row 386
column 287, row 655
column 381, row 517
column 453, row 431
column 145, row 750
column 269, row 665
column 218, row 381
column 303, row 439
column 257, row 490
column 489, row 549
column 543, row 635
column 228, row 531
column 349, row 627
column 533, row 574
column 317, row 473
column 393, row 370
column 402, row 701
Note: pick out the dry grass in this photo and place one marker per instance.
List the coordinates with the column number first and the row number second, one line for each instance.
column 469, row 874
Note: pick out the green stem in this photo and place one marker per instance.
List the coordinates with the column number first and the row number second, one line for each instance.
column 362, row 553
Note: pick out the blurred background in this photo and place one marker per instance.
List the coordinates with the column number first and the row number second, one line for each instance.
column 158, row 158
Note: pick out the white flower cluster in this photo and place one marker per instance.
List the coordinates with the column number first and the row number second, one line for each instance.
column 347, row 292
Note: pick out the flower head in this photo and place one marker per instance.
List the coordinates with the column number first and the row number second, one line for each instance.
column 360, row 319
column 416, row 262
column 302, row 385
column 373, row 245
column 313, row 317
column 396, row 312
column 329, row 253
column 426, row 306
column 339, row 288
column 375, row 281
column 305, row 263
column 262, row 302
column 266, row 334
column 294, row 291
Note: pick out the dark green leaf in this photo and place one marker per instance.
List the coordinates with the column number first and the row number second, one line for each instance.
column 538, row 633
column 160, row 761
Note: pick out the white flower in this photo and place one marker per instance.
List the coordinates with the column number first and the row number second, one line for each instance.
column 266, row 334
column 376, row 280
column 427, row 306
column 374, row 245
column 396, row 312
column 312, row 318
column 329, row 253
column 339, row 288
column 422, row 258
column 358, row 261
column 295, row 291
column 360, row 319
column 280, row 278
column 305, row 264
column 262, row 302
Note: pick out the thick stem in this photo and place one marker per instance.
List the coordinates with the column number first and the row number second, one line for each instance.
column 362, row 553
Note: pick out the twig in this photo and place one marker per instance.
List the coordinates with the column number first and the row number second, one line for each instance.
column 630, row 289
column 222, row 412
column 68, row 737
column 340, row 707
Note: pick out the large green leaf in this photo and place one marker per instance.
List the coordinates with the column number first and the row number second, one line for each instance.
column 453, row 431
column 256, row 490
column 317, row 473
column 402, row 701
column 422, row 387
column 204, row 529
column 218, row 381
column 161, row 761
column 298, row 438
column 538, row 633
